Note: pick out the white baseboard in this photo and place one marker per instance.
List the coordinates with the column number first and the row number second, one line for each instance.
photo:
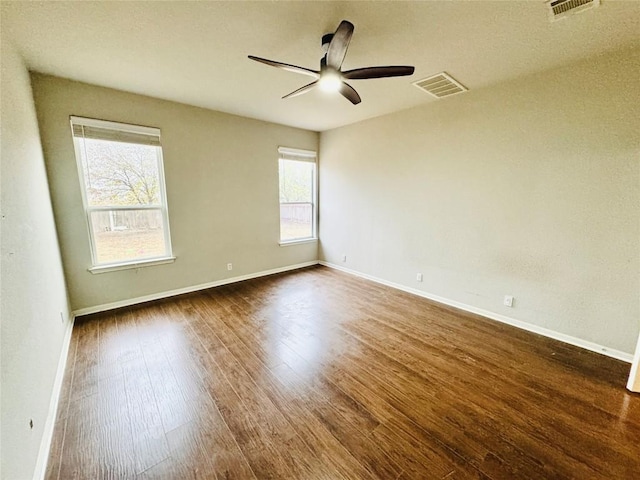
column 634, row 375
column 578, row 342
column 50, row 422
column 194, row 288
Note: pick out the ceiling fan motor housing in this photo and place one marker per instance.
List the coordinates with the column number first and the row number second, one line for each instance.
column 326, row 40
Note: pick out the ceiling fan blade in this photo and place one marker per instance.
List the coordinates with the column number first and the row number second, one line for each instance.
column 287, row 67
column 339, row 44
column 378, row 72
column 301, row 90
column 349, row 93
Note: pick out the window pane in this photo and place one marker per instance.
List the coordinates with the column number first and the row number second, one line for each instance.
column 124, row 235
column 117, row 173
column 296, row 181
column 296, row 221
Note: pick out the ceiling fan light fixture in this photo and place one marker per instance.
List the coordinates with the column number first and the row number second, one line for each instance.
column 331, row 77
column 330, row 81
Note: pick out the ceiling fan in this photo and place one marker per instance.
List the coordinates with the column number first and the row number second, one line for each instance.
column 330, row 77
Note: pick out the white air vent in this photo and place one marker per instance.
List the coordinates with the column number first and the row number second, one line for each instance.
column 440, row 85
column 562, row 8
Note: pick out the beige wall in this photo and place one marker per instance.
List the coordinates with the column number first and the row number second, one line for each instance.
column 33, row 299
column 530, row 188
column 222, row 187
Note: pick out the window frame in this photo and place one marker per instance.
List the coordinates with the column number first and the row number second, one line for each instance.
column 162, row 207
column 299, row 155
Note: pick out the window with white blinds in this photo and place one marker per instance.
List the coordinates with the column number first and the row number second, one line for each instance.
column 298, row 195
column 123, row 191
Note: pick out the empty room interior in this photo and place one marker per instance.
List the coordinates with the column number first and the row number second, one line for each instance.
column 320, row 240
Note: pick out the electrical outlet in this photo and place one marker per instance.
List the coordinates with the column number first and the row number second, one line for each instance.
column 419, row 277
column 344, row 258
column 229, row 266
column 508, row 301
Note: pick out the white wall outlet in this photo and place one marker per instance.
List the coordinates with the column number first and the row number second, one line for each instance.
column 508, row 301
column 229, row 266
column 419, row 277
column 344, row 258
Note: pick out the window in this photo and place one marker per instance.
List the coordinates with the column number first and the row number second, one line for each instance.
column 298, row 189
column 123, row 192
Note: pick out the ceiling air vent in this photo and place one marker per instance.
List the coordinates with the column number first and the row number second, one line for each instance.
column 440, row 85
column 562, row 8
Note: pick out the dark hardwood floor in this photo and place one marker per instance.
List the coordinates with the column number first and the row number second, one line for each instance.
column 316, row 374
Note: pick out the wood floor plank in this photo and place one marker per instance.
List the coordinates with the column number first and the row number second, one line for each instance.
column 476, row 442
column 217, row 440
column 205, row 445
column 387, row 474
column 527, row 399
column 296, row 454
column 148, row 437
column 520, row 454
column 318, row 374
column 483, row 408
column 339, row 414
column 265, row 454
column 291, row 402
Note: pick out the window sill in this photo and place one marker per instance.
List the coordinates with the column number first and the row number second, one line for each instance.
column 130, row 265
column 297, row 242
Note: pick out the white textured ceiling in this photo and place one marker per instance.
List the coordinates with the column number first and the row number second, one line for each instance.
column 196, row 52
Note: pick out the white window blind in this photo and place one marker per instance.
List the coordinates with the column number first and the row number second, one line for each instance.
column 114, row 132
column 297, row 155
